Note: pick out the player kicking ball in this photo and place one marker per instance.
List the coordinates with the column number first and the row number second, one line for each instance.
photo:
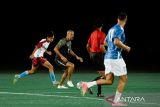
column 38, row 59
column 114, row 63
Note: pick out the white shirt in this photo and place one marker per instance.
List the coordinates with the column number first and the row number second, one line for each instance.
column 42, row 47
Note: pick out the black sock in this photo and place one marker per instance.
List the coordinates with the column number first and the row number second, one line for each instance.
column 99, row 86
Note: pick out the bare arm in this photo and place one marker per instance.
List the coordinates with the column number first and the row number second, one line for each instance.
column 77, row 57
column 48, row 52
column 118, row 43
column 88, row 48
column 102, row 47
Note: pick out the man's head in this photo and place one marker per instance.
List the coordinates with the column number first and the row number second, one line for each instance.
column 50, row 36
column 98, row 23
column 70, row 35
column 122, row 18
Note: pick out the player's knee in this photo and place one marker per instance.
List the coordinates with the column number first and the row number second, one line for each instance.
column 51, row 68
column 72, row 66
column 124, row 79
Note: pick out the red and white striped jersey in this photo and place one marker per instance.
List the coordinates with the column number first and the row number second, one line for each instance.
column 41, row 48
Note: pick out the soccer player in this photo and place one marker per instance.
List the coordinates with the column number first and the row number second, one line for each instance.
column 38, row 59
column 113, row 61
column 63, row 50
column 96, row 50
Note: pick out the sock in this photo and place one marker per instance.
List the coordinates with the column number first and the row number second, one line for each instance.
column 23, row 74
column 90, row 84
column 99, row 90
column 52, row 76
column 99, row 86
column 117, row 97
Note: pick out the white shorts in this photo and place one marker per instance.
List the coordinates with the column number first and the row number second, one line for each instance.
column 115, row 66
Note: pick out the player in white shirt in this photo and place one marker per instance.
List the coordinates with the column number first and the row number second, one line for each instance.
column 38, row 59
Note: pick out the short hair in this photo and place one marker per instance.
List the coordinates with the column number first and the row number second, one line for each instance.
column 50, row 34
column 69, row 31
column 122, row 16
column 98, row 23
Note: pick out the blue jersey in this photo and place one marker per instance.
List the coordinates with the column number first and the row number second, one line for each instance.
column 113, row 51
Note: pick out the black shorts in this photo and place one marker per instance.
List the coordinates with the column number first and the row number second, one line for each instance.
column 60, row 63
column 97, row 61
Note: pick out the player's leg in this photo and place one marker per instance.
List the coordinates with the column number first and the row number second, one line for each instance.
column 107, row 81
column 97, row 61
column 51, row 71
column 62, row 65
column 120, row 88
column 24, row 74
column 70, row 67
column 121, row 71
column 27, row 72
column 99, row 87
column 61, row 83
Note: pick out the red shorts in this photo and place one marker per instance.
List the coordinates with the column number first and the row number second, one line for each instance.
column 39, row 60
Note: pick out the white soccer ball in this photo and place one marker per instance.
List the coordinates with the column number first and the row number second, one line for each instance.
column 79, row 85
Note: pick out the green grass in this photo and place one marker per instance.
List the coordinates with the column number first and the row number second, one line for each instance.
column 37, row 91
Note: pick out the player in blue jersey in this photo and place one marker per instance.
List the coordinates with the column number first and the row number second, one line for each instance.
column 113, row 61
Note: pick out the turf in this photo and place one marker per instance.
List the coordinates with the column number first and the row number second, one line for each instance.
column 37, row 91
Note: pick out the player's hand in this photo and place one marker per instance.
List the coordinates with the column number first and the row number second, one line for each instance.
column 49, row 52
column 64, row 59
column 128, row 48
column 31, row 56
column 79, row 58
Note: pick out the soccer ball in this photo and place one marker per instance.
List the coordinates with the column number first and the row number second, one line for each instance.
column 79, row 85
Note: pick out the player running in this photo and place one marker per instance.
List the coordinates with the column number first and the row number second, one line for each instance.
column 37, row 59
column 113, row 61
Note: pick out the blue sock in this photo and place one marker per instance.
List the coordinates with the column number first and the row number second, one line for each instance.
column 23, row 74
column 52, row 76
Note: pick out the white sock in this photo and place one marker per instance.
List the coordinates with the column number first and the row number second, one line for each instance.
column 90, row 84
column 117, row 97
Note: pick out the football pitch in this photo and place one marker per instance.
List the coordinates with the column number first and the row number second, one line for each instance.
column 142, row 90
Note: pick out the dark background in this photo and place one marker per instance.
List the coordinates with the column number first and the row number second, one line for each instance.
column 24, row 24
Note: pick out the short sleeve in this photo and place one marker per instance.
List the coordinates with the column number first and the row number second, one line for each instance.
column 61, row 43
column 118, row 33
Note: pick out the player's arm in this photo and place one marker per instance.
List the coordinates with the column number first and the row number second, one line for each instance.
column 39, row 45
column 102, row 48
column 77, row 57
column 48, row 52
column 56, row 50
column 118, row 43
column 88, row 48
column 103, row 43
column 88, row 45
column 32, row 55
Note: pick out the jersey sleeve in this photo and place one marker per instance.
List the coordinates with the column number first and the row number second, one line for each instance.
column 118, row 33
column 40, row 44
column 61, row 43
